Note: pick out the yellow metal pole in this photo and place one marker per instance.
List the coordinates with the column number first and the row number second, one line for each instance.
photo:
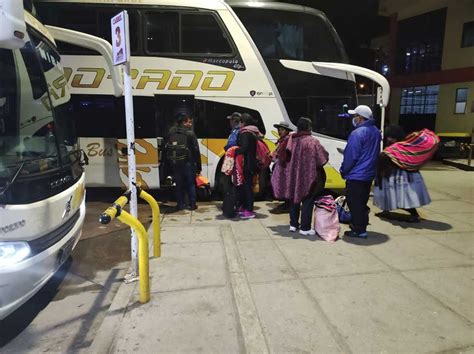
column 155, row 212
column 111, row 212
column 143, row 269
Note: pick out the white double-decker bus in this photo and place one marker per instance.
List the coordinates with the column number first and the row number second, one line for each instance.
column 210, row 58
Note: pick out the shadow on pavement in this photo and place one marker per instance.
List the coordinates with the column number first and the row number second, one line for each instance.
column 373, row 238
column 16, row 322
column 401, row 220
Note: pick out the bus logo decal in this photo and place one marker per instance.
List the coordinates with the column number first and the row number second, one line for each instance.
column 174, row 85
column 12, row 227
column 99, row 75
column 213, row 80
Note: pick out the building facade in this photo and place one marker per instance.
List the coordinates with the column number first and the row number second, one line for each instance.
column 429, row 61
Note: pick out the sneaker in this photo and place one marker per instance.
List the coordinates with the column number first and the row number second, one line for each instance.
column 293, row 228
column 193, row 207
column 247, row 214
column 307, row 232
column 356, row 234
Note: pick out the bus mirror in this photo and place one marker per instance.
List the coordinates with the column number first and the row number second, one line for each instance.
column 12, row 24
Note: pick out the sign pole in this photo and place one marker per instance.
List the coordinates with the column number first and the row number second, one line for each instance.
column 382, row 114
column 121, row 55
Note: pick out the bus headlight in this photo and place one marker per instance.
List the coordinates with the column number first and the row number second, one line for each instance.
column 13, row 252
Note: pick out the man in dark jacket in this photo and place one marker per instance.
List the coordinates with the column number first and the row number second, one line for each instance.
column 184, row 157
column 358, row 167
column 247, row 142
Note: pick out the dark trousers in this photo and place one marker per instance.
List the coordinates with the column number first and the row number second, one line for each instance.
column 306, row 207
column 185, row 179
column 357, row 195
column 245, row 192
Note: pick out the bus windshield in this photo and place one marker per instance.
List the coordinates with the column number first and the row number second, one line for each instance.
column 292, row 35
column 303, row 36
column 33, row 140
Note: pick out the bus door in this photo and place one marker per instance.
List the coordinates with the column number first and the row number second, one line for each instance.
column 166, row 108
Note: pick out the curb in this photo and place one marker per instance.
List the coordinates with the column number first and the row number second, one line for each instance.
column 459, row 165
column 105, row 336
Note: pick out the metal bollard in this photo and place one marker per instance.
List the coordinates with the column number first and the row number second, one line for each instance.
column 155, row 210
column 116, row 211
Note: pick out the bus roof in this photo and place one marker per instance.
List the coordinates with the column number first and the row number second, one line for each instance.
column 204, row 4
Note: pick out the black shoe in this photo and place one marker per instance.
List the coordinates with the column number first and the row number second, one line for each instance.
column 193, row 207
column 414, row 218
column 383, row 214
column 356, row 234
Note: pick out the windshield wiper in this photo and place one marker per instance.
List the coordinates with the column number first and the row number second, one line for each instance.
column 6, row 186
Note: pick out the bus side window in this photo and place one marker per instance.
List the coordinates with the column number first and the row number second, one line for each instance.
column 181, row 34
column 195, row 27
column 145, row 117
column 162, row 32
column 99, row 116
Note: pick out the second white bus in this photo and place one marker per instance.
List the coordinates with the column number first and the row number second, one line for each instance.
column 207, row 57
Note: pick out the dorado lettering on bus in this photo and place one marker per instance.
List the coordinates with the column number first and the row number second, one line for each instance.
column 162, row 79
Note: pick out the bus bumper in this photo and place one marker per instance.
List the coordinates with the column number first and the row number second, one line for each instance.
column 20, row 282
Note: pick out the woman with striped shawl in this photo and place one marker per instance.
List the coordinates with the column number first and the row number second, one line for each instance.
column 399, row 184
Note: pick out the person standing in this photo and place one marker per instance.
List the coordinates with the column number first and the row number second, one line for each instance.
column 358, row 167
column 184, row 157
column 279, row 156
column 235, row 124
column 247, row 142
column 303, row 178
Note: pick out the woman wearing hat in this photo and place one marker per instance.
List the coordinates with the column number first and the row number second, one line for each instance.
column 284, row 130
column 280, row 158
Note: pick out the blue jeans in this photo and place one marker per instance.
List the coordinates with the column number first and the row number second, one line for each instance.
column 306, row 207
column 185, row 179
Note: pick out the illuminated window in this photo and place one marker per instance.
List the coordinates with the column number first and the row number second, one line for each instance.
column 461, row 100
column 419, row 100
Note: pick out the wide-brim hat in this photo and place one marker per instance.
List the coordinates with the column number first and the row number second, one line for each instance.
column 283, row 125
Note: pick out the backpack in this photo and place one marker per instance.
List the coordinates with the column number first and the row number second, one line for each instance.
column 177, row 147
column 263, row 156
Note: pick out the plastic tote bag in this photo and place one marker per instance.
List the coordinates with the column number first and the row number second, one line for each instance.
column 326, row 224
column 343, row 210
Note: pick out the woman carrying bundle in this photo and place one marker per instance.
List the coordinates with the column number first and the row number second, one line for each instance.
column 399, row 184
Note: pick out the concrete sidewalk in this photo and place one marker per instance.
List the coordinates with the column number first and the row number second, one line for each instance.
column 231, row 286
